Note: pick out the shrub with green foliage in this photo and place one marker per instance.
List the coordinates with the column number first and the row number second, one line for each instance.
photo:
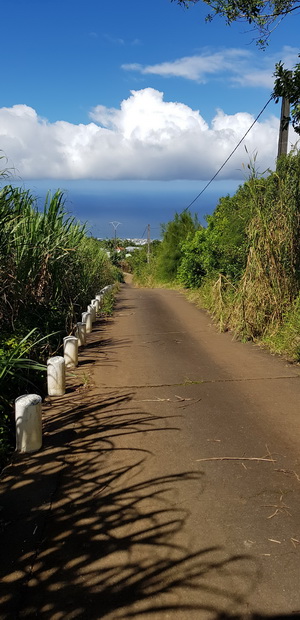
column 191, row 270
column 245, row 264
column 143, row 267
column 170, row 250
column 226, row 235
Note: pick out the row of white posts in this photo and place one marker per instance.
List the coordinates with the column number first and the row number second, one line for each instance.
column 28, row 408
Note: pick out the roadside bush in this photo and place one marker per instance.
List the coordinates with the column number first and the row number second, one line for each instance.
column 170, row 251
column 144, row 272
column 190, row 271
column 244, row 266
column 226, row 245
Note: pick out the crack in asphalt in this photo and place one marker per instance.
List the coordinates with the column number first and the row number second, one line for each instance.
column 198, row 382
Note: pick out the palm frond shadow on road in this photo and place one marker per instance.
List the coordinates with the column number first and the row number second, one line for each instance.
column 99, row 537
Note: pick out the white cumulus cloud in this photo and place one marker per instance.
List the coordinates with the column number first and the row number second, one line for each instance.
column 197, row 67
column 146, row 138
column 238, row 66
column 145, row 117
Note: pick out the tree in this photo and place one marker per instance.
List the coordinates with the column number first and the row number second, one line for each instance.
column 170, row 252
column 226, row 234
column 263, row 16
column 287, row 84
column 191, row 270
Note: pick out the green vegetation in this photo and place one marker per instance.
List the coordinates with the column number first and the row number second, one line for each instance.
column 171, row 252
column 263, row 16
column 287, row 84
column 49, row 270
column 244, row 266
column 165, row 257
column 108, row 303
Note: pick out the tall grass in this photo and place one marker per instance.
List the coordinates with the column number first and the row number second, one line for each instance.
column 49, row 270
column 37, row 249
column 247, row 259
column 270, row 281
column 48, row 263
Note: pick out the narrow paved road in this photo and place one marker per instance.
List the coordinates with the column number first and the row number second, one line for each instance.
column 169, row 483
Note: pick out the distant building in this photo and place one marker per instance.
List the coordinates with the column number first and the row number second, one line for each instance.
column 132, row 248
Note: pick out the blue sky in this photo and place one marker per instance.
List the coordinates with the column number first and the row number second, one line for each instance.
column 131, row 107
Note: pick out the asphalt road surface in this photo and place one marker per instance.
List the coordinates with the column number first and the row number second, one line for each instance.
column 168, row 486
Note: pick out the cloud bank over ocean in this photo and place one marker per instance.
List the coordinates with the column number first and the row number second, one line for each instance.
column 147, row 138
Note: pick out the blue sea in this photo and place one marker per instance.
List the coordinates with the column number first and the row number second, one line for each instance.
column 133, row 204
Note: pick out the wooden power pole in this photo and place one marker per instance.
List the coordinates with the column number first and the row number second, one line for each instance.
column 284, row 127
column 148, row 243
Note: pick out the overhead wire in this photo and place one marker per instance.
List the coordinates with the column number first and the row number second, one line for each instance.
column 224, row 163
column 229, row 156
column 142, row 237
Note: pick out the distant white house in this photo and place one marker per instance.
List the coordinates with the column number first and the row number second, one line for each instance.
column 132, row 248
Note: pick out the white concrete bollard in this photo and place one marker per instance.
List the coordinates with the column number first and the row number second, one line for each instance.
column 100, row 298
column 96, row 304
column 93, row 305
column 71, row 351
column 80, row 332
column 28, row 415
column 56, row 376
column 92, row 311
column 87, row 319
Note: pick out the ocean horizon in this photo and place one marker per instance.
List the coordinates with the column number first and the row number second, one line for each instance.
column 133, row 205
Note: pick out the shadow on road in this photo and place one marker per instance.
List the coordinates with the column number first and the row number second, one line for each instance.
column 87, row 533
column 292, row 616
column 100, row 343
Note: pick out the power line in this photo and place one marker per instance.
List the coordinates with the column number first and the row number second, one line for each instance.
column 142, row 237
column 116, row 224
column 229, row 156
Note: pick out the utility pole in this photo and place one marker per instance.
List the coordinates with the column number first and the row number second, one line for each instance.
column 284, row 127
column 148, row 243
column 115, row 226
